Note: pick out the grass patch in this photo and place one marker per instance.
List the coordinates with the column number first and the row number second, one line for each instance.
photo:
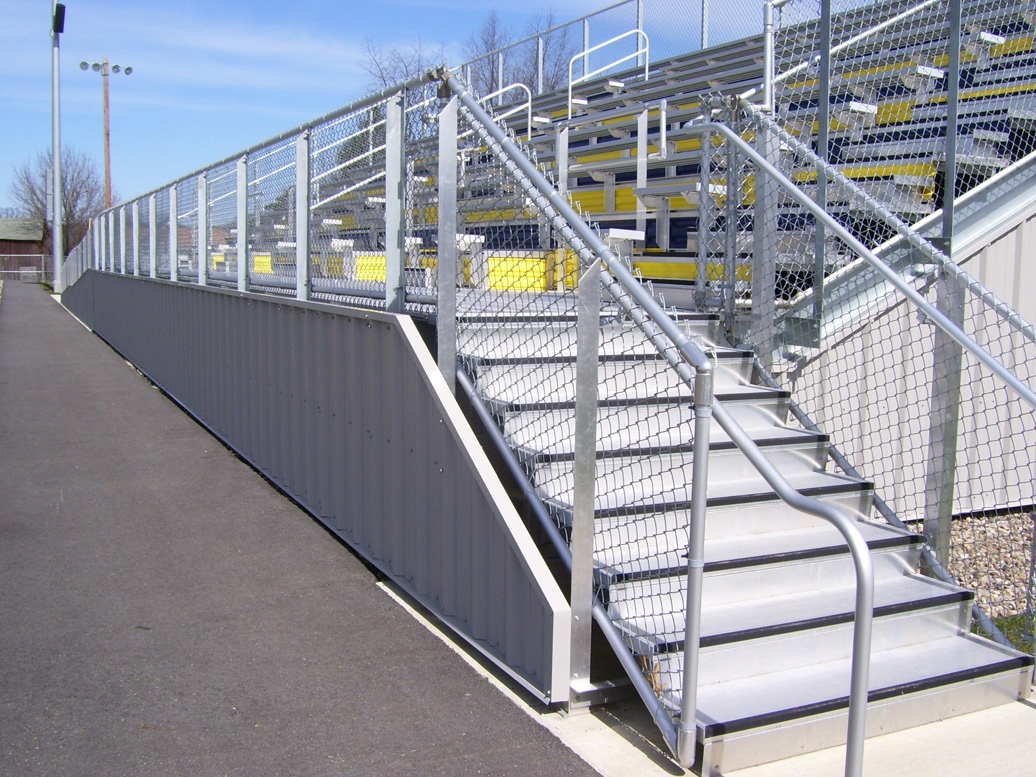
column 1017, row 629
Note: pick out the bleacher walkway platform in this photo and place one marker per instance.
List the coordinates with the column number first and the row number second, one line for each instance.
column 164, row 610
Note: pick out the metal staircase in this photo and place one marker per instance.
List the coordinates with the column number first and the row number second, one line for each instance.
column 777, row 608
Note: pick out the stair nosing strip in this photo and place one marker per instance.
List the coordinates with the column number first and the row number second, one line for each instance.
column 808, row 624
column 805, row 554
column 713, row 730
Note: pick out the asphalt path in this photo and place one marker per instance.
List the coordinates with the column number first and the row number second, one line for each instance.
column 165, row 611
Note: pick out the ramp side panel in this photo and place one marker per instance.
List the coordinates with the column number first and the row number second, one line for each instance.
column 346, row 411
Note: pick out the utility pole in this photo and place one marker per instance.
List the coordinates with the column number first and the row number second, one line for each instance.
column 57, row 217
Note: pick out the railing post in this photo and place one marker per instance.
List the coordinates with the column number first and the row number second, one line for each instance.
column 941, row 471
column 203, row 229
column 111, row 241
column 704, row 24
column 639, row 26
column 122, row 239
column 152, row 235
column 703, row 400
column 642, row 169
column 499, row 78
column 823, row 150
column 952, row 106
column 704, row 214
column 174, row 234
column 302, row 217
column 764, row 251
column 446, row 320
column 95, row 227
column 136, row 236
column 242, row 224
column 540, row 51
column 588, row 326
column 586, row 45
column 395, row 212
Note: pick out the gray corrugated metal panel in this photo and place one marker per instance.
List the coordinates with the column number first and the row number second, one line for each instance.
column 347, row 411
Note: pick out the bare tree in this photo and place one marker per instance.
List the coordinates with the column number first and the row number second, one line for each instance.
column 82, row 193
column 480, row 51
column 558, row 48
column 392, row 66
column 521, row 61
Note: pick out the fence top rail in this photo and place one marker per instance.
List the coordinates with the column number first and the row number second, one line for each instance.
column 358, row 105
column 836, row 228
column 544, row 33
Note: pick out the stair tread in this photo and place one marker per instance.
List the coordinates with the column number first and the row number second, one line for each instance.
column 683, row 395
column 664, row 491
column 770, row 699
column 647, row 439
column 728, row 553
column 759, row 617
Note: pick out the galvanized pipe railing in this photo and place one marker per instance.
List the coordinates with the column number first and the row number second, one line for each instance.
column 687, row 359
column 836, row 228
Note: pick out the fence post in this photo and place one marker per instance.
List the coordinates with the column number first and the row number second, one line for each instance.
column 446, row 323
column 588, row 324
column 174, row 232
column 704, row 213
column 136, row 236
column 111, row 241
column 765, row 240
column 704, row 24
column 242, row 224
column 952, row 106
column 703, row 400
column 203, row 229
column 96, row 228
column 395, row 212
column 940, row 476
column 642, row 165
column 302, row 210
column 152, row 235
column 122, row 240
column 824, row 151
column 540, row 50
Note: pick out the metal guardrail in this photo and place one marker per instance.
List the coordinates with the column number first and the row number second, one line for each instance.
column 695, row 368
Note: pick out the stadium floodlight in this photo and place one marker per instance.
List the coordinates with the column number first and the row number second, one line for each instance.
column 103, row 68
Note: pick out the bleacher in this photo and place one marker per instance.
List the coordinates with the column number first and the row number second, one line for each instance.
column 887, row 131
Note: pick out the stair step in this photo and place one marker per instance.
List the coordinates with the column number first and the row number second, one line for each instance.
column 731, row 585
column 643, row 489
column 764, row 718
column 619, row 377
column 773, row 402
column 614, row 566
column 635, row 532
column 670, row 470
column 662, row 631
column 649, row 436
column 552, row 430
column 558, row 339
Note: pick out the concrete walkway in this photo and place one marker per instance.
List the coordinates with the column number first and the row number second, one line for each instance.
column 164, row 611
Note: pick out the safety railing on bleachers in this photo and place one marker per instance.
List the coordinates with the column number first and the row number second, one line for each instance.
column 351, row 208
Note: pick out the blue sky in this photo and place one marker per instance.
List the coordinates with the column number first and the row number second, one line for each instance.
column 212, row 77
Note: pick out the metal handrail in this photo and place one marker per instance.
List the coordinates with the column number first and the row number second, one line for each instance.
column 812, row 61
column 829, row 221
column 584, row 55
column 665, row 334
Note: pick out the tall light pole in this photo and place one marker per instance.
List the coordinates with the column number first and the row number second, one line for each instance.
column 102, row 67
column 57, row 216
